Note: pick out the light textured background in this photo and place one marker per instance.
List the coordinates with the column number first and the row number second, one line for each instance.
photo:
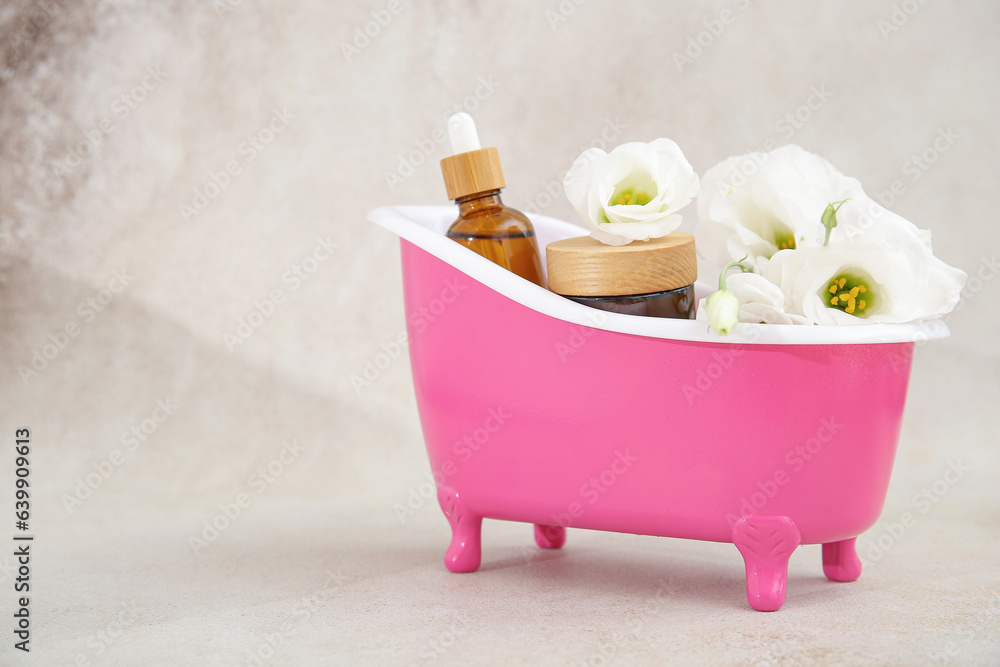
column 319, row 569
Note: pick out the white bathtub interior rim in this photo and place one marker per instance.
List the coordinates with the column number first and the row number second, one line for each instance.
column 425, row 227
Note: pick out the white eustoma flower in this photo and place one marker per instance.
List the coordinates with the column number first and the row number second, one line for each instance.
column 759, row 301
column 757, row 204
column 632, row 193
column 877, row 268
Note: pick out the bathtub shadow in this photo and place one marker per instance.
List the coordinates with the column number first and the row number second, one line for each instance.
column 711, row 573
column 656, row 575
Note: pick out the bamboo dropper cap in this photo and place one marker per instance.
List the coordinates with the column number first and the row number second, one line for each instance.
column 583, row 266
column 472, row 172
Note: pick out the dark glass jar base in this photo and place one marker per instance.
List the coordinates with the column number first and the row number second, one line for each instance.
column 676, row 303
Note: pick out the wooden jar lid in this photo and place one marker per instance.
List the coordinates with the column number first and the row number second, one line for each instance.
column 583, row 266
column 469, row 173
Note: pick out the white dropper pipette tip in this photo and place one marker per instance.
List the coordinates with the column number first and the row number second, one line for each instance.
column 462, row 132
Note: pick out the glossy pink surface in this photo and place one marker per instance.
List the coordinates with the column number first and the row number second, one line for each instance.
column 529, row 418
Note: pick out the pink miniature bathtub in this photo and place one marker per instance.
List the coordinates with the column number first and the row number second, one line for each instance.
column 538, row 409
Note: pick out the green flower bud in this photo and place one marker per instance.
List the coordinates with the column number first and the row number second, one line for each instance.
column 723, row 307
column 723, row 310
column 829, row 219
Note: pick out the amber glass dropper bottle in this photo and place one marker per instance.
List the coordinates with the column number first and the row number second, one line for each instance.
column 473, row 179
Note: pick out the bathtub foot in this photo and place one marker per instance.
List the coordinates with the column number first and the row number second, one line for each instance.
column 766, row 543
column 465, row 551
column 549, row 537
column 840, row 560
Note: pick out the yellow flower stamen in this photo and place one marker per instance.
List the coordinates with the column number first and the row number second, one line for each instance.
column 844, row 290
column 627, row 198
column 783, row 239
